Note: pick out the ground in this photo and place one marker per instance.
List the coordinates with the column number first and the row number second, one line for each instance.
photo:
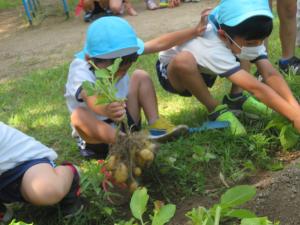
column 53, row 40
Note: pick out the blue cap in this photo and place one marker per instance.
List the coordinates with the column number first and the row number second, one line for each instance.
column 110, row 37
column 233, row 12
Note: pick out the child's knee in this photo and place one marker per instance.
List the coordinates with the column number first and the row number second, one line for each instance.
column 43, row 192
column 76, row 116
column 184, row 61
column 116, row 7
column 140, row 75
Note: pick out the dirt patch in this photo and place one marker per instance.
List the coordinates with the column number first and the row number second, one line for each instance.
column 278, row 197
column 54, row 40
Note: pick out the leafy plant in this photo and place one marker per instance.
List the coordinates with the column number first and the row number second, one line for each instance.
column 138, row 205
column 288, row 136
column 19, row 223
column 227, row 208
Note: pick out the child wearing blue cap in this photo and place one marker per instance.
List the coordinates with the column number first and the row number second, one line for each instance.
column 109, row 38
column 28, row 174
column 235, row 32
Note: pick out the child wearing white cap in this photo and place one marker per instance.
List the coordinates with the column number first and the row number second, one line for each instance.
column 109, row 38
column 236, row 31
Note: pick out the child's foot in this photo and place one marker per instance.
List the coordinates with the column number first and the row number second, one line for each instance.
column 130, row 10
column 248, row 105
column 72, row 205
column 222, row 113
column 292, row 64
column 6, row 214
column 163, row 130
column 151, row 5
column 92, row 151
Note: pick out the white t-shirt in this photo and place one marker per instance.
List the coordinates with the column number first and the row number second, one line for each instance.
column 17, row 147
column 210, row 52
column 79, row 72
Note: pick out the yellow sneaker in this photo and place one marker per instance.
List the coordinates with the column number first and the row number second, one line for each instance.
column 163, row 130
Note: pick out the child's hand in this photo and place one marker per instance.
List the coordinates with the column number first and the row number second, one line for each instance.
column 116, row 111
column 174, row 3
column 296, row 124
column 201, row 26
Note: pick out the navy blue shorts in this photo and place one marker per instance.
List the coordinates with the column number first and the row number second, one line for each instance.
column 161, row 71
column 11, row 180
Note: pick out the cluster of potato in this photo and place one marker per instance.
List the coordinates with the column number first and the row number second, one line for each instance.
column 126, row 166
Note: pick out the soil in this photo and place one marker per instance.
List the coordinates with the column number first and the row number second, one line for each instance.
column 53, row 40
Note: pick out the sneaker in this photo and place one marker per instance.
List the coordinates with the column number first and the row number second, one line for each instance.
column 163, row 130
column 88, row 17
column 72, row 205
column 163, row 4
column 6, row 214
column 151, row 5
column 91, row 151
column 292, row 64
column 222, row 113
column 248, row 105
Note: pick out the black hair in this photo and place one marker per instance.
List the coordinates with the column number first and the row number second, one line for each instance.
column 125, row 59
column 253, row 28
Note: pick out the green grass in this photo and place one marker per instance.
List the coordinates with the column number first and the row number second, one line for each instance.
column 35, row 104
column 9, row 4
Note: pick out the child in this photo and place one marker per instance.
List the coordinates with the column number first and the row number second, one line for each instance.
column 109, row 38
column 93, row 8
column 236, row 31
column 28, row 174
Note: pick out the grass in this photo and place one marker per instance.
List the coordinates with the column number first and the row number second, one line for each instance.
column 35, row 104
column 9, row 4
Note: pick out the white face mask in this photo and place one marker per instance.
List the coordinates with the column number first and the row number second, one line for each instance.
column 249, row 53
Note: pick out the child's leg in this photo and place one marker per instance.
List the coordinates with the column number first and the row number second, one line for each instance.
column 44, row 185
column 142, row 95
column 116, row 6
column 183, row 75
column 91, row 129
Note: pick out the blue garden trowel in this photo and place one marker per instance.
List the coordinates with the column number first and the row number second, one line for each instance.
column 209, row 125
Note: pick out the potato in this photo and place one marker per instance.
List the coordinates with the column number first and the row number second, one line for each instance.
column 133, row 186
column 121, row 173
column 140, row 161
column 146, row 154
column 152, row 147
column 111, row 162
column 137, row 171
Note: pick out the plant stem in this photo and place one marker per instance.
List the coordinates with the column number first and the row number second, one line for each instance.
column 217, row 215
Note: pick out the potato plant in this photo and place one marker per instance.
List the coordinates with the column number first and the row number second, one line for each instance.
column 132, row 151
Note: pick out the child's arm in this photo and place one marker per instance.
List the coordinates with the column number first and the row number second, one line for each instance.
column 169, row 40
column 115, row 110
column 275, row 80
column 267, row 95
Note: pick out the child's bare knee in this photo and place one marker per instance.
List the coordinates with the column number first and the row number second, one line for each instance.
column 43, row 193
column 184, row 61
column 140, row 75
column 76, row 115
column 116, row 8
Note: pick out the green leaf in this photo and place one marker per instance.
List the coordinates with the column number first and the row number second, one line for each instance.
column 102, row 73
column 139, row 202
column 288, row 137
column 164, row 214
column 237, row 195
column 240, row 213
column 278, row 122
column 115, row 66
column 89, row 88
column 256, row 221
